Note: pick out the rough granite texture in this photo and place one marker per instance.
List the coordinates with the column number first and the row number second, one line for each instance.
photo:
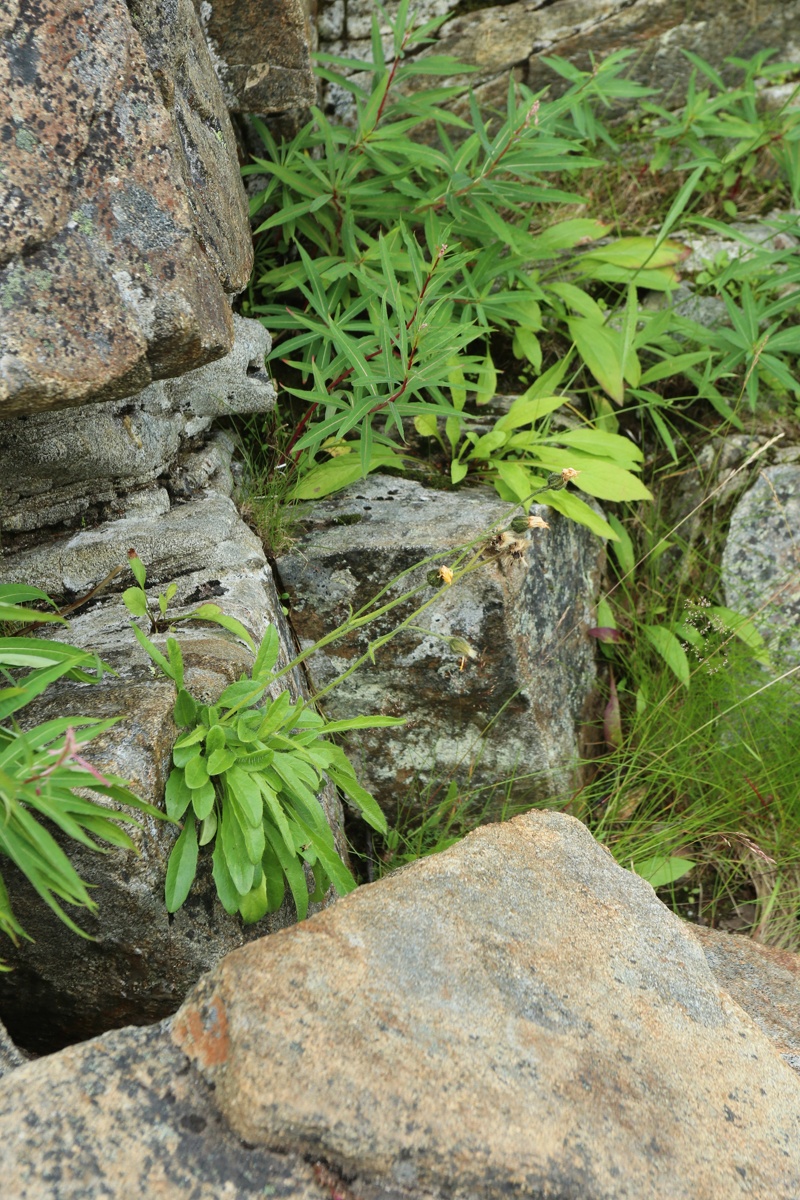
column 761, row 560
column 123, row 221
column 517, row 1016
column 764, row 981
column 527, row 618
column 103, row 461
column 262, row 58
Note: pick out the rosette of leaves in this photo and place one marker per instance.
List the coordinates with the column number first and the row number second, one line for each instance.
column 41, row 767
column 246, row 781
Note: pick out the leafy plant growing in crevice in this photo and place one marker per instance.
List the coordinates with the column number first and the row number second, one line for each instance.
column 247, row 778
column 43, row 767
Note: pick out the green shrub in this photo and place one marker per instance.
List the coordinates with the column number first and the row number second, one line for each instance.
column 42, row 767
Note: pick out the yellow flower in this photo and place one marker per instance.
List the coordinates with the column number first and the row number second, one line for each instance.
column 446, row 575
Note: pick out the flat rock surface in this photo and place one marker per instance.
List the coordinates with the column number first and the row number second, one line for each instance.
column 763, row 980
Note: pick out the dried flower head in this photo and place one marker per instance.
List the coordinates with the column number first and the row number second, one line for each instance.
column 523, row 524
column 536, row 522
column 462, row 648
column 446, row 575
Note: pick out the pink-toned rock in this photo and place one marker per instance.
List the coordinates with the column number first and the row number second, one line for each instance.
column 122, row 214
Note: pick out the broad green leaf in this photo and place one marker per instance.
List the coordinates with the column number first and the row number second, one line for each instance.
column 185, row 711
column 486, row 445
column 600, row 348
column 268, row 653
column 247, row 792
column 458, row 470
column 516, row 477
column 274, row 873
column 220, row 760
column 663, row 870
column 527, row 345
column 620, row 450
column 667, row 645
column 570, row 505
column 340, row 472
column 203, row 800
column 526, row 409
column 182, row 867
column 598, row 478
column 230, row 836
column 177, row 796
column 580, row 301
column 208, row 828
column 426, row 425
column 245, row 692
column 196, row 771
column 226, row 888
column 135, row 601
column 254, row 906
column 634, row 253
column 457, row 383
column 275, row 715
column 214, row 614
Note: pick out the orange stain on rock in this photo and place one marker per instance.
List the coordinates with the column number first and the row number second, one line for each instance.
column 202, row 1033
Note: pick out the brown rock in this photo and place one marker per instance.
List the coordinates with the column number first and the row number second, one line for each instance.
column 515, row 1016
column 122, row 1117
column 763, row 980
column 264, row 68
column 123, row 213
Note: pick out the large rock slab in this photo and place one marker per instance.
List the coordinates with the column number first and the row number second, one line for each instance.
column 761, row 560
column 124, row 219
column 515, row 1017
column 527, row 618
column 764, row 980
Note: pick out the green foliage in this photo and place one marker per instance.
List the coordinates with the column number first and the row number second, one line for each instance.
column 42, row 767
column 399, row 258
column 246, row 780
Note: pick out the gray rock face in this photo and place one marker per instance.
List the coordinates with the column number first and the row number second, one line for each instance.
column 144, row 960
column 764, row 981
column 761, row 560
column 141, row 474
column 501, row 40
column 102, row 460
column 124, row 218
column 515, row 1017
column 263, row 67
column 526, row 617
